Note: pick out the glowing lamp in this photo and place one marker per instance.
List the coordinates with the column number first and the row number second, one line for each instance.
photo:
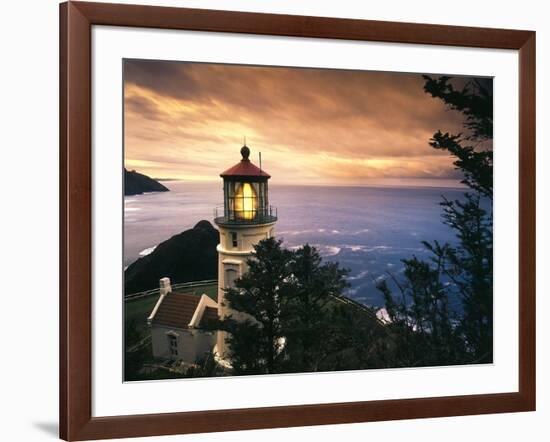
column 246, row 202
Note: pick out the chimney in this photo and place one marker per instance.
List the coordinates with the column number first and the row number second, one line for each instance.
column 165, row 286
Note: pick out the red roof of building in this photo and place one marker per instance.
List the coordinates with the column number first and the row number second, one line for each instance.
column 177, row 309
column 245, row 168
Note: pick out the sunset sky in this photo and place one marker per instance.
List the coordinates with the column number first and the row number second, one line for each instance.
column 313, row 126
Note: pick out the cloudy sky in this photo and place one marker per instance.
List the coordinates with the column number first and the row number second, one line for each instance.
column 313, row 126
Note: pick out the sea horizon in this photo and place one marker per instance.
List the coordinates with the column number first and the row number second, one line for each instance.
column 450, row 184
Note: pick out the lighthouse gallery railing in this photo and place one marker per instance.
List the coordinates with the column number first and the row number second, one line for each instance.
column 261, row 215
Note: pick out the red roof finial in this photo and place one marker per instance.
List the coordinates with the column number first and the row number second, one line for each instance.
column 245, row 152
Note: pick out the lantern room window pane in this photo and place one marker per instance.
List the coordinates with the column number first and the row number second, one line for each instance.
column 246, row 201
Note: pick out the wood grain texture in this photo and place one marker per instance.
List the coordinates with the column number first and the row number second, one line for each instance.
column 76, row 20
column 299, row 26
column 75, row 216
column 63, row 201
column 527, row 220
column 304, row 415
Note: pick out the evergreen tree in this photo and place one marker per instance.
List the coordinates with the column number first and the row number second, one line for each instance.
column 421, row 322
column 282, row 318
column 426, row 331
column 255, row 328
column 357, row 340
column 313, row 287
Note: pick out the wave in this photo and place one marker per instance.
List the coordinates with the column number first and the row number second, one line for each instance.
column 364, row 248
column 355, row 248
column 147, row 251
column 360, row 275
column 306, row 231
column 325, row 250
column 383, row 315
column 332, row 250
column 297, row 232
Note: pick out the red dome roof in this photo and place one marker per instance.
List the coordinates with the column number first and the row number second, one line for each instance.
column 245, row 168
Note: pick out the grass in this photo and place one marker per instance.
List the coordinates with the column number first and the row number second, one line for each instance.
column 140, row 308
column 210, row 290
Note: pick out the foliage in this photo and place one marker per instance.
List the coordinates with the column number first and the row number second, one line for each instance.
column 426, row 330
column 132, row 332
column 311, row 288
column 259, row 302
column 287, row 315
column 204, row 367
column 357, row 339
column 474, row 101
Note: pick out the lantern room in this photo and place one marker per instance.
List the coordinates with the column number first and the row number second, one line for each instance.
column 246, row 197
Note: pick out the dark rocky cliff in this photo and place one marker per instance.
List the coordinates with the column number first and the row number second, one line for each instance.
column 187, row 256
column 136, row 183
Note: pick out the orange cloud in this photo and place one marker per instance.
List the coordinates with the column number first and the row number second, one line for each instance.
column 187, row 120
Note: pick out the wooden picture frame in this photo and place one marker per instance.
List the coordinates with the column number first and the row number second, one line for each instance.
column 76, row 21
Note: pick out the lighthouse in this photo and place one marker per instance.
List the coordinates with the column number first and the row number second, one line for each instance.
column 246, row 219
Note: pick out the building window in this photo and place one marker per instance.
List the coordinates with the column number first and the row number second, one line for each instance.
column 173, row 345
column 234, row 239
column 230, row 277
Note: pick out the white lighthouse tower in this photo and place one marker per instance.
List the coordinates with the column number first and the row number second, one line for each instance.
column 247, row 219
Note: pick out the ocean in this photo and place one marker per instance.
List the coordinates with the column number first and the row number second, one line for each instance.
column 368, row 230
